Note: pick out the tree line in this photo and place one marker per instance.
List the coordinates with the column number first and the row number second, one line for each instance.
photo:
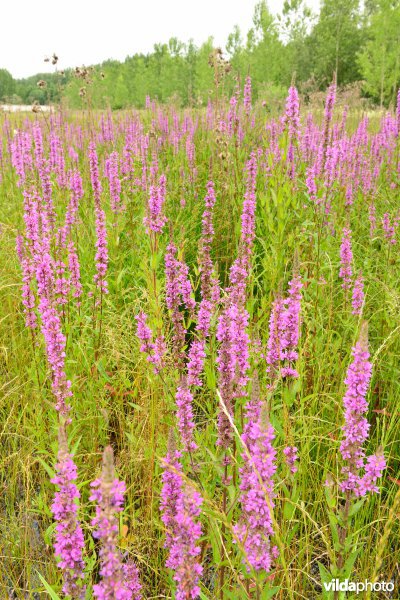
column 358, row 41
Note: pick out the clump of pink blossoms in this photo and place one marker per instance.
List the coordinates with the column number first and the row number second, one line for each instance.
column 284, row 332
column 346, row 258
column 69, row 541
column 118, row 580
column 155, row 220
column 357, row 299
column 180, row 509
column 155, row 350
column 356, row 427
column 255, row 527
column 291, row 457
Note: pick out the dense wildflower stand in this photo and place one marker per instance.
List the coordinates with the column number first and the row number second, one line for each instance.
column 197, row 289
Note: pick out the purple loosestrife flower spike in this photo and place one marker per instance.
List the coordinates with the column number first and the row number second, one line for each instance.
column 28, row 272
column 69, row 542
column 132, row 581
column 114, row 183
column 195, row 363
column 389, row 229
column 329, row 106
column 178, row 293
column 101, row 253
column 207, row 235
column 94, row 174
column 155, row 219
column 241, row 267
column 144, row 333
column 398, row 113
column 62, row 283
column 292, row 328
column 277, row 337
column 108, row 493
column 209, row 292
column 247, row 95
column 255, row 526
column 54, row 338
column 101, row 231
column 346, row 258
column 357, row 299
column 356, row 427
column 74, row 269
column 180, row 510
column 155, row 350
column 292, row 118
column 374, row 468
column 233, row 363
column 184, row 414
column 233, row 353
column 75, row 185
column 292, row 114
column 291, row 456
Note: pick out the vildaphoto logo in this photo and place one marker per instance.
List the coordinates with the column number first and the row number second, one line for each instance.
column 358, row 586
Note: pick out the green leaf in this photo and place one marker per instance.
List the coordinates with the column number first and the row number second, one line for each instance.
column 330, row 498
column 48, row 588
column 356, row 507
column 288, row 510
column 291, row 533
column 136, row 406
column 47, row 468
column 76, row 446
column 268, row 593
column 333, row 523
column 349, row 564
column 102, row 371
column 326, row 577
column 48, row 534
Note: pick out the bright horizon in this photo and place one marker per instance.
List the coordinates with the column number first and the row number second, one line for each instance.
column 88, row 32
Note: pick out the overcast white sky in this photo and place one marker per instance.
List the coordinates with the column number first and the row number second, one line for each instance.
column 90, row 31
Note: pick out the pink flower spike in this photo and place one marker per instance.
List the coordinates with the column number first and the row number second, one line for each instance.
column 108, row 493
column 69, row 541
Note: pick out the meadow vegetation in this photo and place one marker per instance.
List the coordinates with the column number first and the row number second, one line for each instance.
column 199, row 351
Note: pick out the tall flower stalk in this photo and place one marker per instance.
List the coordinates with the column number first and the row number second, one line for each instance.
column 180, row 510
column 101, row 258
column 69, row 540
column 118, row 580
column 356, row 426
column 359, row 474
column 255, row 527
column 346, row 258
